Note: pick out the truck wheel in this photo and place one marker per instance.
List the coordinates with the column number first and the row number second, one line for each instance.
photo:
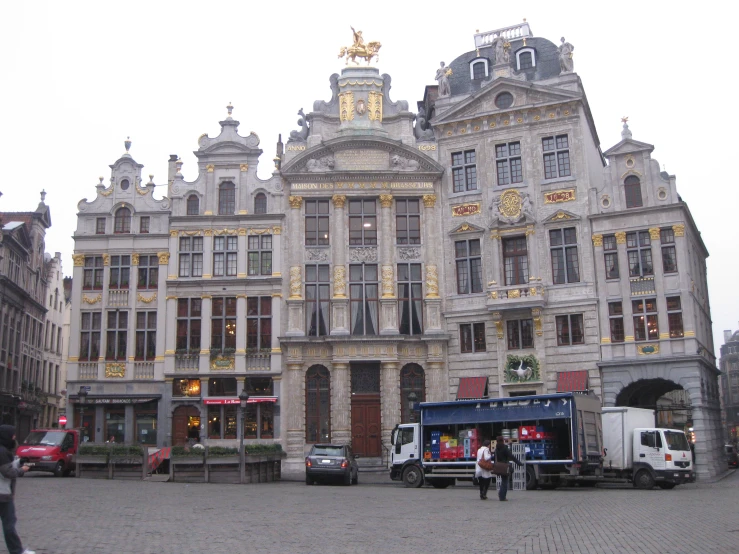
column 666, row 486
column 530, row 478
column 440, row 483
column 412, row 477
column 643, row 480
column 59, row 469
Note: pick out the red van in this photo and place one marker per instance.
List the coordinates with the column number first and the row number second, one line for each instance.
column 53, row 450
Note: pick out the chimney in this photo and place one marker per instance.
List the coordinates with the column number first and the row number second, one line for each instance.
column 171, row 169
column 727, row 336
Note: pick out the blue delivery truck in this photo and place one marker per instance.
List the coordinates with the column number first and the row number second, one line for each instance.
column 561, row 433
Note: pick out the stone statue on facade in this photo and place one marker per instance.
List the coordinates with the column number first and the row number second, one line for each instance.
column 302, row 134
column 316, row 165
column 442, row 77
column 422, row 130
column 566, row 65
column 359, row 49
column 501, row 47
column 403, row 164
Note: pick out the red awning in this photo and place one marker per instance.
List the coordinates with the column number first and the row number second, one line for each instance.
column 232, row 400
column 471, row 388
column 572, row 381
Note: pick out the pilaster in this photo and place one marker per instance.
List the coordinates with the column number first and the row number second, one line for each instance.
column 390, row 389
column 340, row 403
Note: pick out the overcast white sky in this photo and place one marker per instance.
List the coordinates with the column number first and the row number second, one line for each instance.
column 78, row 77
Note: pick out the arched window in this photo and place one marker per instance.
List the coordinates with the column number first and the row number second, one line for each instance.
column 260, row 203
column 122, row 221
column 226, row 199
column 525, row 58
column 412, row 391
column 317, row 405
column 478, row 69
column 632, row 190
column 193, row 205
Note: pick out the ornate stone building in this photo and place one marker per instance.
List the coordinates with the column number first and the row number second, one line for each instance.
column 730, row 386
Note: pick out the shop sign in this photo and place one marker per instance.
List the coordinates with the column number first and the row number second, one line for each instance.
column 466, row 209
column 120, row 400
column 557, row 196
column 229, row 401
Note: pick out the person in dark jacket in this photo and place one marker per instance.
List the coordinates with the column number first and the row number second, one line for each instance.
column 503, row 454
column 9, row 471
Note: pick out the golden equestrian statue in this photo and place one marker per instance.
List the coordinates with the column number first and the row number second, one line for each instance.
column 360, row 50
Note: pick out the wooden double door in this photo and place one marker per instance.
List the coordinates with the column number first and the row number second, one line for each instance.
column 366, row 410
column 185, row 424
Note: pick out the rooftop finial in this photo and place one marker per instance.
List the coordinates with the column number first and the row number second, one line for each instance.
column 43, row 195
column 127, row 144
column 625, row 132
column 230, row 108
column 151, row 180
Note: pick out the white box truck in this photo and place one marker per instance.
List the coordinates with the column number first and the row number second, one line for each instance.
column 635, row 450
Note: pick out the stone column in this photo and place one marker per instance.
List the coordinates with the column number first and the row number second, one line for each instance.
column 437, row 388
column 295, row 417
column 276, row 251
column 206, row 309
column 388, row 300
column 532, row 247
column 242, row 189
column 432, row 301
column 207, row 253
column 168, row 322
column 339, row 302
column 659, row 288
column 498, row 278
column 211, row 200
column 275, row 360
column 240, row 355
column 295, row 320
column 390, row 398
column 341, row 404
column 242, row 242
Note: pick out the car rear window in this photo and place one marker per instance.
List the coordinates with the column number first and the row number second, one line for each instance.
column 328, row 451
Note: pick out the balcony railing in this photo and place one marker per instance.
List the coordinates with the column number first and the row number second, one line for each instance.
column 258, row 361
column 641, row 286
column 88, row 370
column 143, row 370
column 187, row 362
column 509, row 33
column 118, row 297
column 516, row 296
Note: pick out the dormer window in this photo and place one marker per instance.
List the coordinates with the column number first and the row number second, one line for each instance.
column 260, row 203
column 193, row 205
column 226, row 199
column 479, row 69
column 525, row 58
column 122, row 221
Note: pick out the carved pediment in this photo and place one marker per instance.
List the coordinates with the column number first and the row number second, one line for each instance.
column 628, row 146
column 466, row 228
column 561, row 215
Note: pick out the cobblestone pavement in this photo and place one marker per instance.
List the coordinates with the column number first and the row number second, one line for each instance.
column 81, row 516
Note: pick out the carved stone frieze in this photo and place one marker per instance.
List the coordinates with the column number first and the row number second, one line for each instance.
column 413, row 253
column 363, row 254
column 316, row 255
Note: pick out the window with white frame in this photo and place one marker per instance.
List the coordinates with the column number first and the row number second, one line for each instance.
column 259, row 260
column 191, row 257
column 478, row 69
column 525, row 58
column 508, row 163
column 225, row 251
column 556, row 156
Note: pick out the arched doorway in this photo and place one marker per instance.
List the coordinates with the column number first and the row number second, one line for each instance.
column 317, row 405
column 185, row 425
column 412, row 391
column 668, row 399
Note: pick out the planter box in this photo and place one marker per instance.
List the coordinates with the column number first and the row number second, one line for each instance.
column 188, row 469
column 92, row 467
column 131, row 467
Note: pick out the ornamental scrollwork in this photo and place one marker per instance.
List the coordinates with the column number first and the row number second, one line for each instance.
column 316, row 255
column 79, row 260
column 386, row 200
column 145, row 300
column 163, row 258
column 429, row 200
column 413, row 253
column 598, row 240
column 387, row 282
column 339, row 281
column 363, row 254
column 432, row 282
column 94, row 300
column 296, row 284
column 115, row 370
column 339, row 200
column 295, row 202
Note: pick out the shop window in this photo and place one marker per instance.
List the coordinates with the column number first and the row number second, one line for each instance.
column 259, row 386
column 222, row 422
column 259, row 420
column 145, row 417
column 222, row 386
column 115, row 424
column 186, row 388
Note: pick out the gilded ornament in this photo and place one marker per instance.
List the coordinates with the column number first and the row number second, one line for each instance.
column 375, row 106
column 429, row 200
column 536, row 314
column 494, row 295
column 621, row 237
column 79, row 260
column 106, row 192
column 359, row 49
column 143, row 191
column 560, row 216
column 654, row 233
column 339, row 200
column 134, row 259
column 145, row 300
column 163, row 258
column 605, row 340
column 533, row 291
column 296, row 284
column 115, row 370
column 567, row 112
column 386, row 200
column 276, row 230
column 514, row 293
column 597, row 240
column 499, row 328
column 477, row 127
column 551, row 116
column 92, row 300
column 339, row 281
column 647, row 349
column 242, row 231
column 511, row 204
column 529, row 230
column 295, row 202
column 678, row 230
column 243, row 167
column 537, row 117
column 388, row 287
column 260, row 231
column 210, row 168
column 432, row 282
column 506, row 122
column 206, row 296
column 346, row 106
column 173, row 233
column 170, row 297
column 106, row 259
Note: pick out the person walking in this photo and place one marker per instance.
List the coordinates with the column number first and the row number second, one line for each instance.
column 504, row 455
column 483, row 475
column 10, row 469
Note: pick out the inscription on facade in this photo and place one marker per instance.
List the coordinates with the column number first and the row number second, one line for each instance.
column 466, row 209
column 363, row 185
column 557, row 196
column 426, row 147
column 360, row 160
column 295, row 147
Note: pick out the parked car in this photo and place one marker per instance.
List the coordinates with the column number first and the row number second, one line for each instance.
column 331, row 461
column 732, row 458
column 53, row 450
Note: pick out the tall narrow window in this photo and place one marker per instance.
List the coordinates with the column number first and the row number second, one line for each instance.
column 616, row 321
column 464, row 171
column 610, row 256
column 412, row 385
column 471, row 337
column 191, row 257
column 92, row 277
column 646, row 326
column 570, row 329
column 317, row 405
column 675, row 317
column 410, row 299
column 189, row 311
column 362, row 222
column 317, row 298
column 100, row 226
column 316, row 222
column 122, row 221
column 226, row 198
column 525, row 60
column 260, row 203
column 508, row 163
column 115, row 347
column 259, row 255
column 363, row 289
column 144, row 224
column 193, row 205
column 669, row 256
column 407, row 221
column 259, row 323
column 520, row 334
column 469, row 266
column 120, row 271
column 223, row 325
column 632, row 191
column 563, row 247
column 556, row 156
column 148, row 272
column 146, row 335
column 90, row 324
column 478, row 70
column 225, row 251
column 515, row 261
column 639, row 250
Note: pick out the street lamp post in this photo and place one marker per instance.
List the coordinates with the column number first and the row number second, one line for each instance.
column 243, row 399
column 412, row 405
column 83, row 399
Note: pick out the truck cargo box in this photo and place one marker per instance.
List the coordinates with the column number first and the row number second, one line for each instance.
column 618, row 425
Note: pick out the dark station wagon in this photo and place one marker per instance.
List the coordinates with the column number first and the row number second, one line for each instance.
column 331, row 461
